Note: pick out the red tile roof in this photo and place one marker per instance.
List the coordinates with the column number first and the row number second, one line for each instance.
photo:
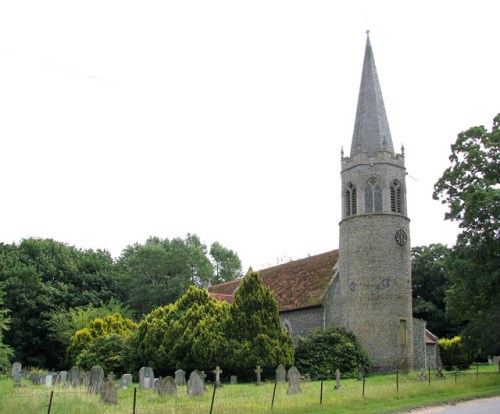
column 296, row 285
column 221, row 297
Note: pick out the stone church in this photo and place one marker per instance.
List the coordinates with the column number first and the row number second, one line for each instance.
column 365, row 285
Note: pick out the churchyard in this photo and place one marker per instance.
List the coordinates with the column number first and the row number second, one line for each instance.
column 281, row 391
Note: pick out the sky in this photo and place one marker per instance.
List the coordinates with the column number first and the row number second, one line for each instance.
column 121, row 120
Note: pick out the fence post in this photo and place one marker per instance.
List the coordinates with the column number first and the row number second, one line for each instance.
column 456, row 373
column 50, row 401
column 397, row 380
column 321, row 393
column 477, row 371
column 274, row 392
column 429, row 375
column 363, row 385
column 135, row 399
column 213, row 397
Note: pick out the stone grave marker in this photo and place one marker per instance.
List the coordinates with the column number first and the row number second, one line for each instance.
column 180, row 377
column 293, row 381
column 167, row 386
column 63, row 377
column 202, row 376
column 195, row 385
column 258, row 371
column 234, row 380
column 85, row 379
column 146, row 377
column 108, row 392
column 74, row 376
column 217, row 371
column 35, row 378
column 337, row 379
column 126, row 380
column 96, row 379
column 48, row 380
column 16, row 371
column 280, row 374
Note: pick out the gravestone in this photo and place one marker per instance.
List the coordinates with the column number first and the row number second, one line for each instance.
column 337, row 379
column 74, row 376
column 96, row 379
column 202, row 376
column 258, row 371
column 234, row 380
column 195, row 385
column 146, row 377
column 63, row 377
column 180, row 377
column 126, row 380
column 35, row 378
column 280, row 374
column 85, row 379
column 16, row 371
column 108, row 392
column 217, row 371
column 167, row 386
column 48, row 380
column 293, row 381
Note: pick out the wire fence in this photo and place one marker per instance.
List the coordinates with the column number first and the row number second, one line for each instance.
column 240, row 398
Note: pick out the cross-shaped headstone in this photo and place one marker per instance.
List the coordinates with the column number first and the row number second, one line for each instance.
column 217, row 371
column 258, row 371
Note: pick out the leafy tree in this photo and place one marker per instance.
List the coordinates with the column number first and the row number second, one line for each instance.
column 430, row 280
column 5, row 350
column 325, row 350
column 226, row 262
column 471, row 189
column 254, row 328
column 454, row 354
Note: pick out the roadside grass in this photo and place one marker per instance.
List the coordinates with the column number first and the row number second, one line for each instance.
column 382, row 395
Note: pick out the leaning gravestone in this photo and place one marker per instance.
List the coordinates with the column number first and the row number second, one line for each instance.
column 16, row 371
column 280, row 374
column 96, row 379
column 195, row 386
column 146, row 377
column 180, row 377
column 74, row 376
column 167, row 386
column 108, row 392
column 293, row 381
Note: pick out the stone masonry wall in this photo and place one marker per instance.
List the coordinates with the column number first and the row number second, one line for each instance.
column 303, row 321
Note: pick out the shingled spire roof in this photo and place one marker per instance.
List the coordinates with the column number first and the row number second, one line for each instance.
column 371, row 128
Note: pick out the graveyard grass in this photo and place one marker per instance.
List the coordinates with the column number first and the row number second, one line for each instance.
column 380, row 396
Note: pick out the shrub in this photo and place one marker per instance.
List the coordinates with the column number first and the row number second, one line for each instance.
column 453, row 353
column 325, row 350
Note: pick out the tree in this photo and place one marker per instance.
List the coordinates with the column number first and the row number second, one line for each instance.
column 254, row 328
column 5, row 350
column 471, row 189
column 430, row 280
column 226, row 262
column 324, row 350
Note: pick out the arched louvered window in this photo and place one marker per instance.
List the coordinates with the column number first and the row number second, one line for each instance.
column 396, row 197
column 351, row 201
column 373, row 196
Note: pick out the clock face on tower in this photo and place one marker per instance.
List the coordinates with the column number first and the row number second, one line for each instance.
column 401, row 237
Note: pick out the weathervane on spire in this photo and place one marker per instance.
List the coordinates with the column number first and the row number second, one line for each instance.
column 367, row 32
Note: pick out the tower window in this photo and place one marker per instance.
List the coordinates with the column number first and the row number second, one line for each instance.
column 396, row 197
column 373, row 196
column 402, row 331
column 351, row 202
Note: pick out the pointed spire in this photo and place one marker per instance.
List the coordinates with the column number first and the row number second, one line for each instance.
column 371, row 128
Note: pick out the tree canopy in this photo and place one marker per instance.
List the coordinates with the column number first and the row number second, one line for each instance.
column 471, row 189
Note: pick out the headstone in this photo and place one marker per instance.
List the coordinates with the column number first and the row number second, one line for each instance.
column 337, row 379
column 234, row 380
column 63, row 377
column 96, row 379
column 16, row 371
column 202, row 376
column 126, row 380
column 48, row 380
column 108, row 392
column 180, row 377
column 280, row 374
column 217, row 371
column 35, row 378
column 195, row 385
column 258, row 371
column 293, row 381
column 167, row 386
column 85, row 379
column 146, row 377
column 74, row 376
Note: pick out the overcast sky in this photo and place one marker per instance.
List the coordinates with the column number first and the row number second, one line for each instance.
column 121, row 120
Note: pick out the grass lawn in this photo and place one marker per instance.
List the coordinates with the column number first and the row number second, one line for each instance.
column 381, row 396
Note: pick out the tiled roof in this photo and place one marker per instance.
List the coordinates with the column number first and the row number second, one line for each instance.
column 297, row 284
column 221, row 297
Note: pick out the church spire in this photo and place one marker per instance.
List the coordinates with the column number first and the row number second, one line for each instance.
column 371, row 128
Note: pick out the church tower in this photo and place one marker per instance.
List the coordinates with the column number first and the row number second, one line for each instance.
column 374, row 269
